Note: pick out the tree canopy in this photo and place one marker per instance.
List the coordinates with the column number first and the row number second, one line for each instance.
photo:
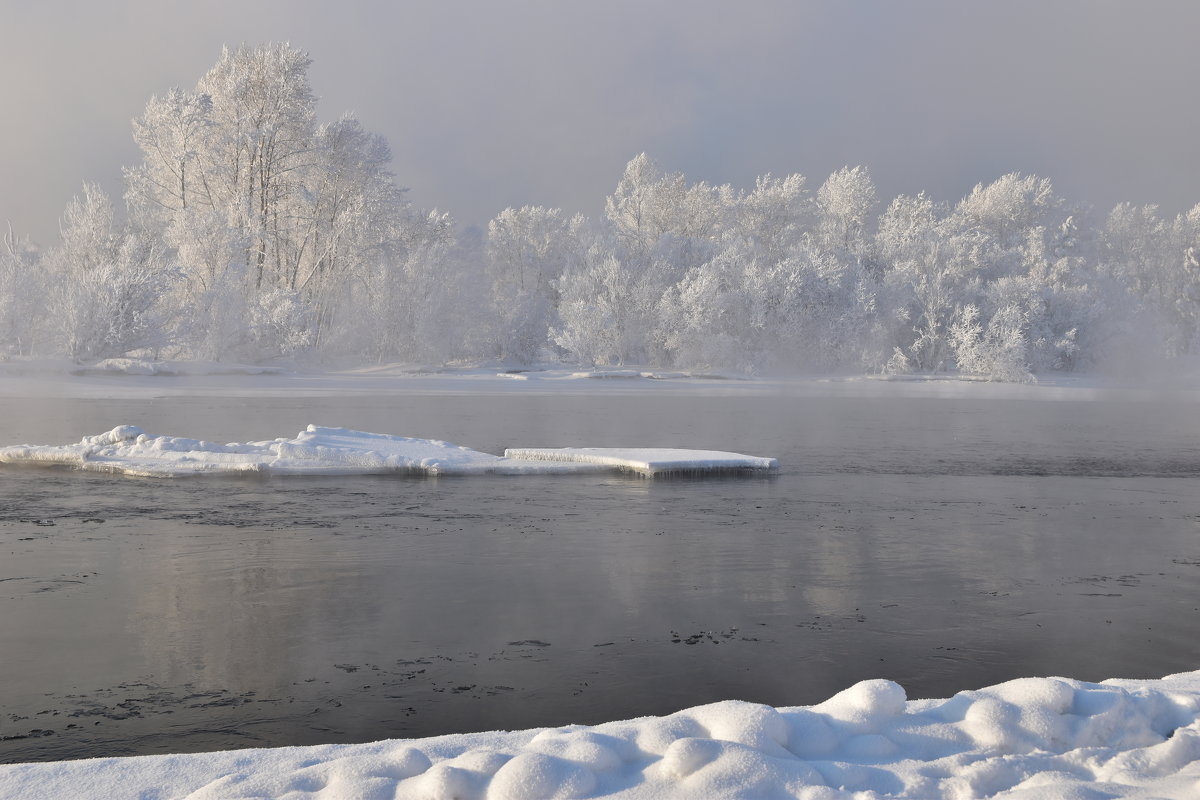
column 253, row 232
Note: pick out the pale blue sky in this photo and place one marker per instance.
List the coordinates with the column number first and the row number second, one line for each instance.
column 490, row 104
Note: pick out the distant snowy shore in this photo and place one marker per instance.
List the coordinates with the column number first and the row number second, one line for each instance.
column 1028, row 738
column 139, row 378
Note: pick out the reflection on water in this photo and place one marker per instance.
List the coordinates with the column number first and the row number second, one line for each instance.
column 945, row 544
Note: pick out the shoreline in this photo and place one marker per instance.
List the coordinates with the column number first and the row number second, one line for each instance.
column 1022, row 738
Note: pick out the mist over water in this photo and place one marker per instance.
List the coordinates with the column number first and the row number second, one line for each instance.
column 943, row 543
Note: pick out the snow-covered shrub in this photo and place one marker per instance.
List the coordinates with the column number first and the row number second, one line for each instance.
column 898, row 364
column 715, row 318
column 996, row 351
column 107, row 284
column 282, row 325
column 598, row 311
column 804, row 313
column 527, row 250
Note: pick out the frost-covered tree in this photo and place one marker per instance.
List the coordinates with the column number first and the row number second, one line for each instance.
column 806, row 312
column 1158, row 261
column 106, row 283
column 820, row 308
column 211, row 303
column 658, row 227
column 1010, row 206
column 1133, row 255
column 22, row 289
column 715, row 318
column 253, row 232
column 420, row 303
column 261, row 149
column 350, row 219
column 662, row 226
column 844, row 205
column 649, row 204
column 527, row 251
column 1007, row 251
column 927, row 268
column 175, row 133
column 772, row 219
column 275, row 223
column 1182, row 281
column 607, row 310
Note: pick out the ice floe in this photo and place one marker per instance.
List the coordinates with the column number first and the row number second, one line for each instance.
column 1028, row 738
column 648, row 461
column 337, row 451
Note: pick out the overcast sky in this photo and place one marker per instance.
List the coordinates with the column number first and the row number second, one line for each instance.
column 492, row 104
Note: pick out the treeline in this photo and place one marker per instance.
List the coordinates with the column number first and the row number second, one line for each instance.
column 252, row 233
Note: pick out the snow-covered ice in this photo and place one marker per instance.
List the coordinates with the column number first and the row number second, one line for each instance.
column 1028, row 738
column 128, row 450
column 648, row 461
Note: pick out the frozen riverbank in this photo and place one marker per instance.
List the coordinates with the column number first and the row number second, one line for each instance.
column 133, row 378
column 1029, row 738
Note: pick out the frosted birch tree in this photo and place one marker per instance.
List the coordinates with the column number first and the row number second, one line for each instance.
column 105, row 283
column 276, row 223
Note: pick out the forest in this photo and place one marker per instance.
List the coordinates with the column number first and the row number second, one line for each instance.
column 251, row 233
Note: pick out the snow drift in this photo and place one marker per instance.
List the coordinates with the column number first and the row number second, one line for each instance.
column 128, row 450
column 1028, row 738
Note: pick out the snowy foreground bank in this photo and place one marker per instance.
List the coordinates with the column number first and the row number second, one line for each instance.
column 337, row 451
column 1029, row 738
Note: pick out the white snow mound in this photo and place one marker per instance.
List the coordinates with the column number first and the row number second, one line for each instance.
column 337, row 451
column 1028, row 738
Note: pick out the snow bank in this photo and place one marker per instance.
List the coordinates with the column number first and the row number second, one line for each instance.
column 1029, row 738
column 649, row 461
column 656, row 375
column 337, row 451
column 139, row 379
column 141, row 366
column 609, row 374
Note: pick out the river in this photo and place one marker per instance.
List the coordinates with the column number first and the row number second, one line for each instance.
column 945, row 543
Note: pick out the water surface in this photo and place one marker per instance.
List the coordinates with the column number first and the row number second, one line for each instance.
column 943, row 543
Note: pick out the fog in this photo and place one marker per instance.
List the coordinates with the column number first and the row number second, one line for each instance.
column 495, row 105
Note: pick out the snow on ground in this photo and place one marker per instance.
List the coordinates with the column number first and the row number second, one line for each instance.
column 128, row 450
column 1028, row 738
column 138, row 366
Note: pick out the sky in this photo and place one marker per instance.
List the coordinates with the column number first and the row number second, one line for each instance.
column 541, row 102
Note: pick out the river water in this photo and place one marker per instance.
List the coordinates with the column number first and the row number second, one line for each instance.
column 944, row 543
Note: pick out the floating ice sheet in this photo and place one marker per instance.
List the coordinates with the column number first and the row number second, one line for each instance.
column 648, row 461
column 337, row 451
